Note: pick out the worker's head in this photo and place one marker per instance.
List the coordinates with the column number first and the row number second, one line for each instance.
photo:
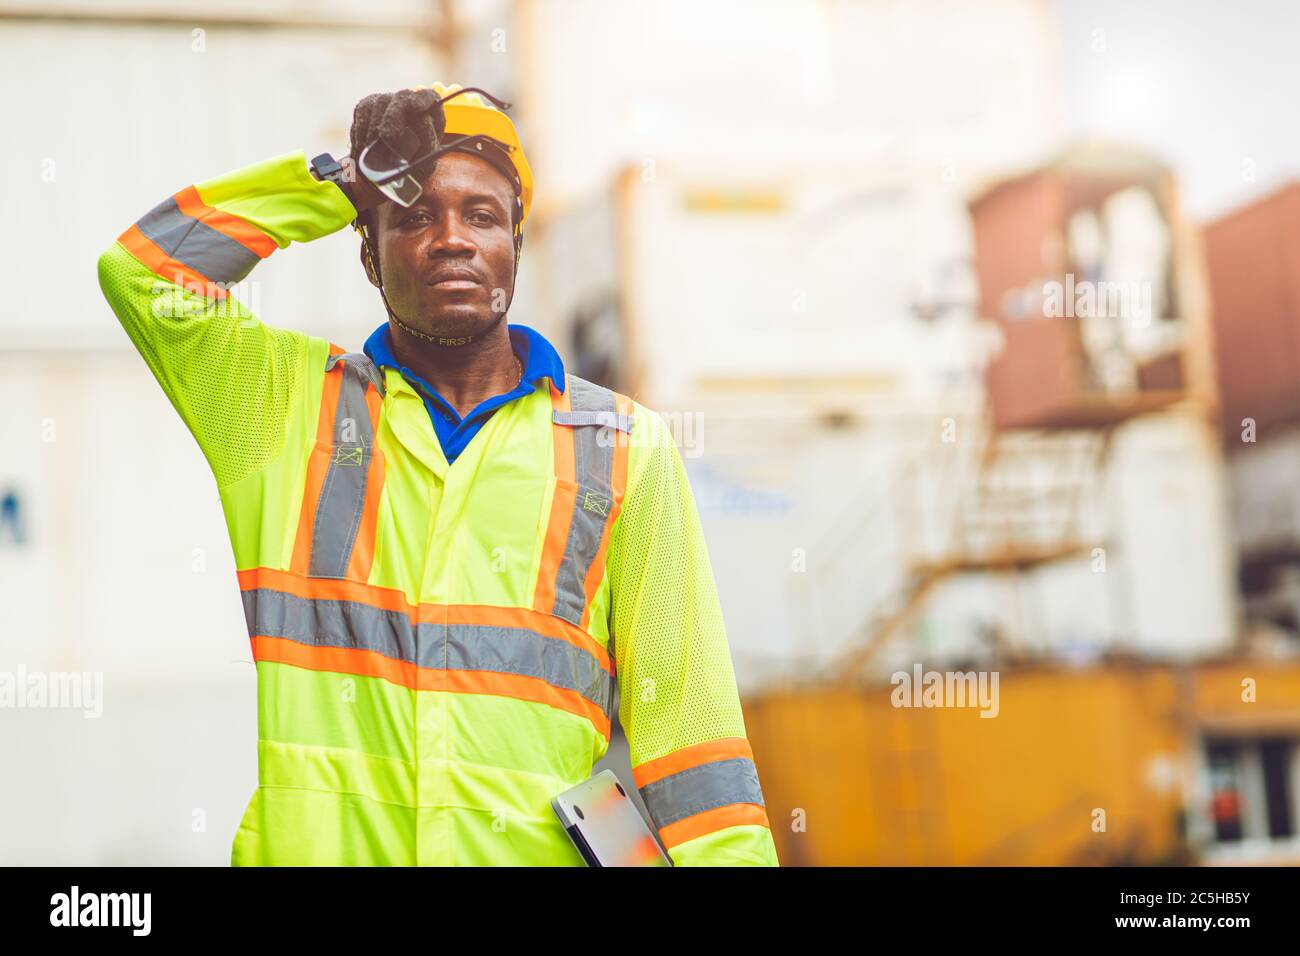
column 467, row 222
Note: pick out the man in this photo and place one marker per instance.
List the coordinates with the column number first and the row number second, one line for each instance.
column 447, row 548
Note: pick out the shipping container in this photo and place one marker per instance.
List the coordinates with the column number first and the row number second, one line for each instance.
column 756, row 287
column 1117, row 763
column 1266, row 522
column 1253, row 259
column 1095, row 282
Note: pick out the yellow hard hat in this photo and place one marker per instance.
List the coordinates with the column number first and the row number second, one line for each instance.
column 469, row 114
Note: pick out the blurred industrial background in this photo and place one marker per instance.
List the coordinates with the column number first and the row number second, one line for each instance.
column 978, row 325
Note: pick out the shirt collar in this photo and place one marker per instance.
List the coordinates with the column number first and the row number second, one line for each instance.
column 537, row 354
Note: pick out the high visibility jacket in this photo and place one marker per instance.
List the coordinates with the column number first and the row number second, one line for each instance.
column 436, row 645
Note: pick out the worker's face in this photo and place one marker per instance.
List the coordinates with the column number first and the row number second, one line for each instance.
column 461, row 223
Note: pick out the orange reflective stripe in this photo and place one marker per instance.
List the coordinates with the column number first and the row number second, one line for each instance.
column 329, row 404
column 709, row 821
column 619, row 479
column 243, row 232
column 564, row 466
column 318, row 463
column 328, row 589
column 724, row 748
column 165, row 267
column 562, row 504
column 317, row 466
column 521, row 688
column 340, row 660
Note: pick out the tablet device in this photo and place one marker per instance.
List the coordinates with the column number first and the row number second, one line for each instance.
column 605, row 825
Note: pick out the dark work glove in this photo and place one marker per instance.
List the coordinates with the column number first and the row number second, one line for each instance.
column 410, row 122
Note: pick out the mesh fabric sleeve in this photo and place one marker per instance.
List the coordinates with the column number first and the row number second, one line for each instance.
column 232, row 379
column 679, row 704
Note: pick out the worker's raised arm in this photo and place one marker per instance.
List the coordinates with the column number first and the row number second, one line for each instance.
column 679, row 705
column 233, row 380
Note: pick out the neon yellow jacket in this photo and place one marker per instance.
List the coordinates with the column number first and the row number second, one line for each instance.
column 437, row 646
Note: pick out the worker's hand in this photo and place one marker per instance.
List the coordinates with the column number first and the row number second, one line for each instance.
column 411, row 122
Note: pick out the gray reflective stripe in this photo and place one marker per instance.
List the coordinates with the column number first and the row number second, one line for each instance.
column 706, row 787
column 361, row 361
column 512, row 650
column 343, row 493
column 480, row 647
column 325, row 623
column 593, row 460
column 197, row 245
column 622, row 422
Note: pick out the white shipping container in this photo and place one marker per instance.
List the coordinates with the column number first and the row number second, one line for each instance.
column 1265, row 495
column 1172, row 532
column 123, row 580
column 760, row 288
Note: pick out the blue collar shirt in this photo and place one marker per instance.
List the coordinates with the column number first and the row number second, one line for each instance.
column 536, row 354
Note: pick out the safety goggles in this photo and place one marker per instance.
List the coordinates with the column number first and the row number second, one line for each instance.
column 389, row 171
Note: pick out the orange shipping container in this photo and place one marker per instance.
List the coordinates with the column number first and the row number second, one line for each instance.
column 1253, row 257
column 1105, row 765
column 1045, row 376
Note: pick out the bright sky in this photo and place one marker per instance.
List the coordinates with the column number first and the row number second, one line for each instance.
column 1209, row 86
